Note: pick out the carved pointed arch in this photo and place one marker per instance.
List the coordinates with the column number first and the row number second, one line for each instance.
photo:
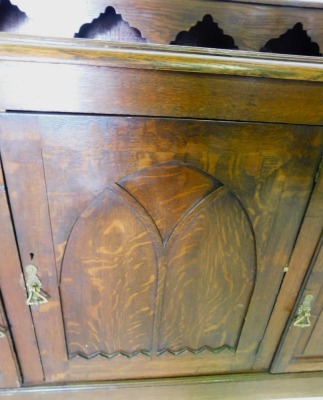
column 11, row 17
column 209, row 253
column 294, row 41
column 109, row 279
column 205, row 33
column 110, row 26
column 163, row 262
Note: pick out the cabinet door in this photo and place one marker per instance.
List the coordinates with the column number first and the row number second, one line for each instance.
column 14, row 297
column 301, row 348
column 9, row 376
column 158, row 245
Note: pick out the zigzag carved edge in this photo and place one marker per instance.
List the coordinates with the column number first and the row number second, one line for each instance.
column 110, row 356
column 159, row 353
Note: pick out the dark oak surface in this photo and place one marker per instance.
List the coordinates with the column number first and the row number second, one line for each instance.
column 181, row 85
column 301, row 348
column 104, row 189
column 250, row 25
column 202, row 215
column 231, row 387
column 11, row 282
column 298, row 265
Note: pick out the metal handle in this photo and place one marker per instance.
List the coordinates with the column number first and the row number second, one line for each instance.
column 304, row 313
column 34, row 287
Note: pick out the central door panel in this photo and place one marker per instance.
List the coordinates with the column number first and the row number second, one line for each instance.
column 160, row 243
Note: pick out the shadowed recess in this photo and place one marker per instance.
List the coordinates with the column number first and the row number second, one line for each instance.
column 11, row 18
column 205, row 33
column 294, row 41
column 110, row 26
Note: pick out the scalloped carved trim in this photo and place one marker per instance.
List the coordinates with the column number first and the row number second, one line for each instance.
column 198, row 351
column 294, row 41
column 205, row 33
column 11, row 17
column 110, row 356
column 110, row 26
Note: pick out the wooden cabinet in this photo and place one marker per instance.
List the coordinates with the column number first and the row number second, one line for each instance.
column 160, row 244
column 160, row 214
column 301, row 346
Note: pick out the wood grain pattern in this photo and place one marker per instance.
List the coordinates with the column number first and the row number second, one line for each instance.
column 210, row 276
column 251, row 25
column 108, row 281
column 305, row 246
column 210, row 92
column 229, row 387
column 169, row 191
column 9, row 370
column 11, row 281
column 269, row 169
column 301, row 349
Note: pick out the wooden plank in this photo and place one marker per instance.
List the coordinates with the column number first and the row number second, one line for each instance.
column 25, row 180
column 14, row 296
column 304, row 249
column 166, row 58
column 251, row 25
column 231, row 387
column 169, row 94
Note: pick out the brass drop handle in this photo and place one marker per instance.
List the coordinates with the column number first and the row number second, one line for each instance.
column 304, row 312
column 34, row 287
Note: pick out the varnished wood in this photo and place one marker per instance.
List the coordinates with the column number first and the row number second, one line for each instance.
column 230, row 387
column 32, row 243
column 11, row 282
column 81, row 156
column 250, row 25
column 9, row 370
column 296, row 270
column 174, row 58
column 214, row 208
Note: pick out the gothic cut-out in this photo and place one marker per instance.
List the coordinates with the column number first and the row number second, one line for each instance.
column 294, row 41
column 11, row 18
column 205, row 33
column 110, row 26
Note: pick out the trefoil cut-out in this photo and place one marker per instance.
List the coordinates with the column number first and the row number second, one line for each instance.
column 295, row 41
column 110, row 26
column 205, row 33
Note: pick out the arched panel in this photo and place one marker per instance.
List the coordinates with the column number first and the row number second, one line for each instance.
column 168, row 191
column 109, row 278
column 211, row 267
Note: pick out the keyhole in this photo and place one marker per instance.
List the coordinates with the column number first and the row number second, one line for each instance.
column 31, row 256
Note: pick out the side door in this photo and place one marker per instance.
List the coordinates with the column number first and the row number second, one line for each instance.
column 301, row 347
column 154, row 247
column 16, row 323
